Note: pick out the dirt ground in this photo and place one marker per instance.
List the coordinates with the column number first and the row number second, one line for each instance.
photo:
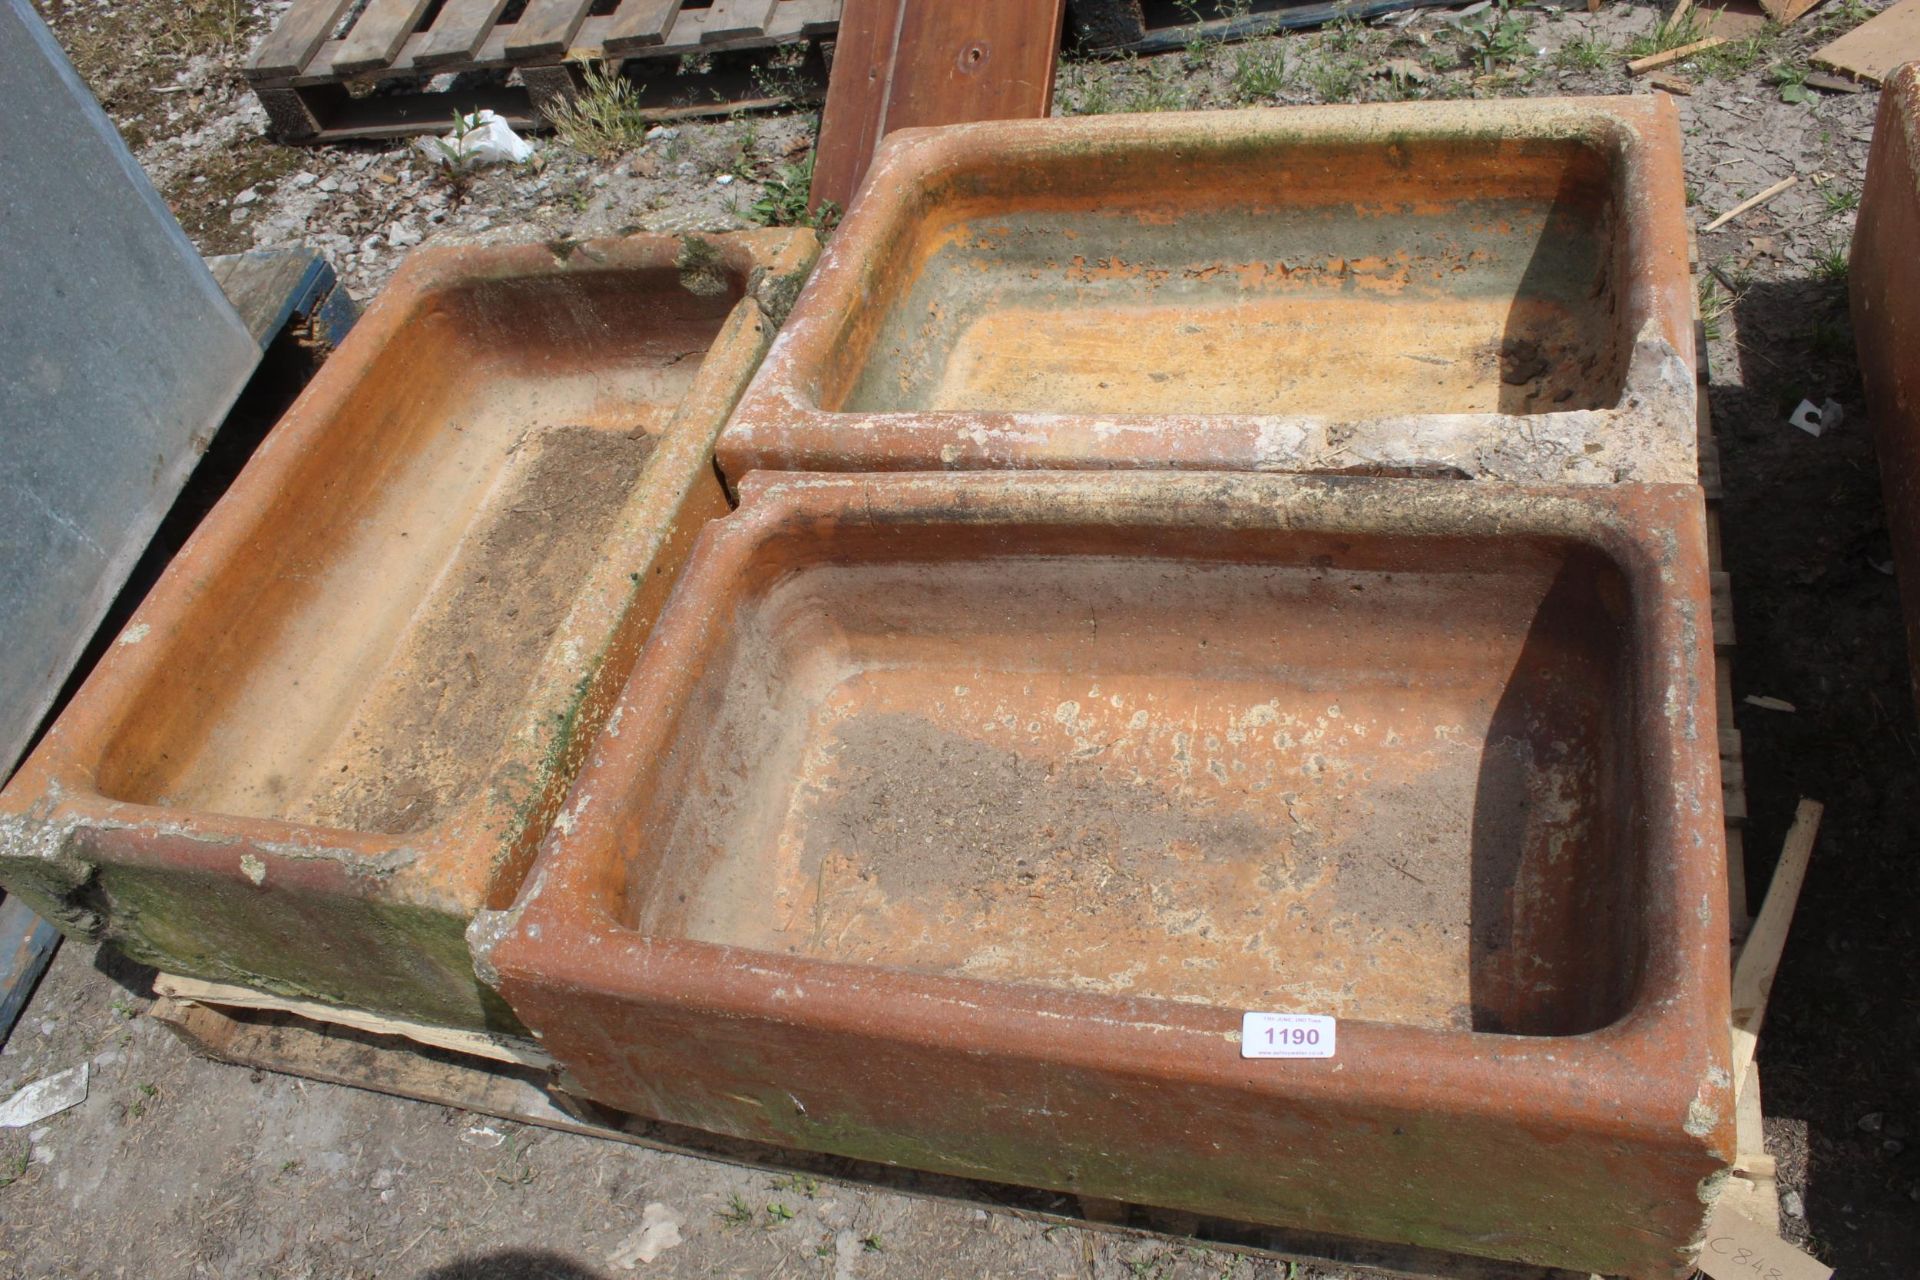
column 178, row 1167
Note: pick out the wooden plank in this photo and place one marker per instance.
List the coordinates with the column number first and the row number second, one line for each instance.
column 1760, row 958
column 1751, row 202
column 732, row 19
column 26, row 947
column 288, row 1045
column 546, row 29
column 268, row 287
column 856, row 93
column 1722, row 588
column 473, row 1044
column 296, row 38
column 378, row 35
column 1679, row 54
column 459, row 31
column 637, row 24
column 1785, row 11
column 909, row 63
column 1873, row 49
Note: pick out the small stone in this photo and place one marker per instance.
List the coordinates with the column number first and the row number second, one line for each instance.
column 662, row 133
column 724, row 180
column 381, row 1180
column 371, row 245
column 248, row 196
column 1871, row 1122
column 329, row 183
column 1893, row 1146
column 239, row 215
column 303, row 179
column 687, row 169
column 401, row 235
column 1792, row 1205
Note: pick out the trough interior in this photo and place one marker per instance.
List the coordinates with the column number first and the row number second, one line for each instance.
column 364, row 663
column 1379, row 777
column 1321, row 278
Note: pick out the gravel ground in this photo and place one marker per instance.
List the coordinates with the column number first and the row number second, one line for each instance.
column 178, row 1167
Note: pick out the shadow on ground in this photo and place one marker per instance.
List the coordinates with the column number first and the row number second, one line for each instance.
column 1818, row 621
column 513, row 1264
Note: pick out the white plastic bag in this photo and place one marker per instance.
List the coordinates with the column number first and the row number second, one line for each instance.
column 481, row 138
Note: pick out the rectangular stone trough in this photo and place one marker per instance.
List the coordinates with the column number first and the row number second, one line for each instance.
column 341, row 721
column 1884, row 284
column 955, row 821
column 1495, row 289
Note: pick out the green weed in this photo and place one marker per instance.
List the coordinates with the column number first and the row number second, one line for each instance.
column 604, row 119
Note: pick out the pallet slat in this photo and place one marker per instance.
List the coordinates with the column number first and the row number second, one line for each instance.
column 731, row 19
column 459, row 32
column 637, row 24
column 377, row 38
column 297, row 37
column 546, row 29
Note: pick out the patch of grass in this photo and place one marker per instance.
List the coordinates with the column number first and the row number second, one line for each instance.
column 799, row 1183
column 744, row 162
column 1791, row 80
column 1336, row 78
column 1498, row 37
column 1162, row 88
column 1259, row 70
column 1666, row 34
column 872, row 1243
column 15, row 1168
column 1087, row 89
column 738, row 1212
column 603, row 120
column 1738, row 56
column 1590, row 52
column 1715, row 305
column 783, row 201
column 1830, row 264
column 1839, row 199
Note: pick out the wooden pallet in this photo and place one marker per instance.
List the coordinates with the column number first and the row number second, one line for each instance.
column 1161, row 26
column 329, row 71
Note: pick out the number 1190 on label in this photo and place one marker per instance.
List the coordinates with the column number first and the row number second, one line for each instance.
column 1286, row 1035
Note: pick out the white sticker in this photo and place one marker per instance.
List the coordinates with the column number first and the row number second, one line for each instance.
column 1286, row 1035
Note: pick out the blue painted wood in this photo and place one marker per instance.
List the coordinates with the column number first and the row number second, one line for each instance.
column 26, row 948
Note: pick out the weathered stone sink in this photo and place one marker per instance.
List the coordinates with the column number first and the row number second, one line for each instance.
column 954, row 821
column 1884, row 284
column 1490, row 289
column 340, row 723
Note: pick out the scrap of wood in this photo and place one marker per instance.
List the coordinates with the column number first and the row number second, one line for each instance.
column 1670, row 82
column 476, row 1044
column 1872, row 50
column 1833, row 83
column 1641, row 65
column 1753, row 202
column 1760, row 957
column 901, row 64
column 1785, row 11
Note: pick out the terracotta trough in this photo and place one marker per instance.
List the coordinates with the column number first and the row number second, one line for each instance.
column 955, row 821
column 340, row 723
column 1884, row 281
column 1491, row 289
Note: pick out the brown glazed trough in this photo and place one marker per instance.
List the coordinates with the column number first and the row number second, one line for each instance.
column 1491, row 289
column 1884, row 281
column 339, row 724
column 954, row 821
